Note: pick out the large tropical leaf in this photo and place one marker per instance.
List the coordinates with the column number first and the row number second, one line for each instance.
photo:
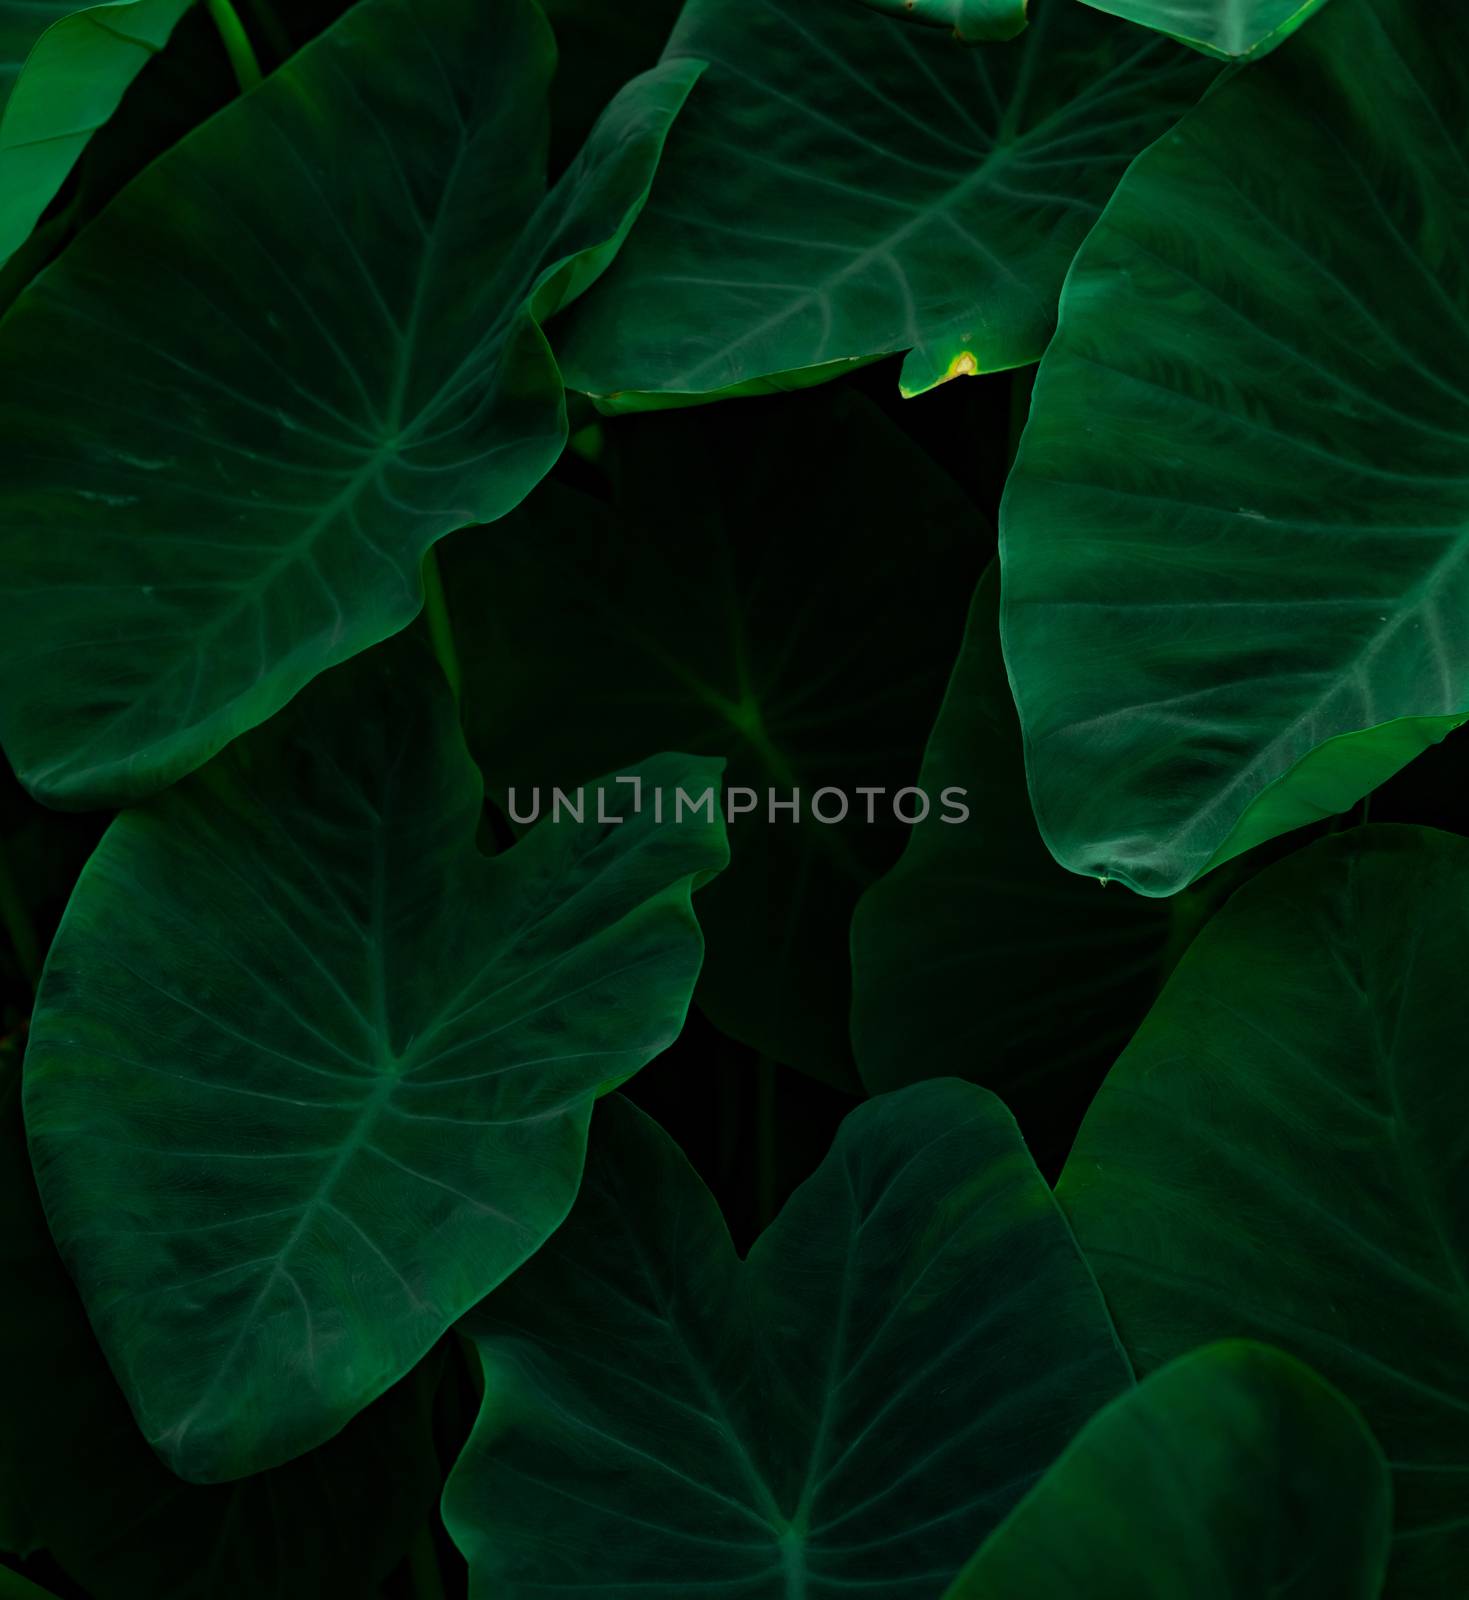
column 977, row 955
column 725, row 603
column 309, row 1075
column 1280, row 1154
column 63, row 71
column 1230, row 29
column 843, row 186
column 1233, row 1473
column 78, row 1481
column 302, row 346
column 970, row 21
column 1235, row 544
column 906, row 1348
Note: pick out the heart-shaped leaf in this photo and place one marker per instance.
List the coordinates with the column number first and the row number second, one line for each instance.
column 1233, row 1472
column 309, row 1075
column 1229, row 29
column 681, row 617
column 1235, row 543
column 970, row 21
column 78, row 1481
column 907, row 1347
column 842, row 187
column 1280, row 1155
column 301, row 347
column 63, row 72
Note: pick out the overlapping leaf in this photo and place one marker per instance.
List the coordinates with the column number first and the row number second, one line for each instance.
column 302, row 346
column 78, row 1481
column 970, row 21
column 905, row 1349
column 1233, row 1472
column 63, row 71
column 782, row 586
column 1235, row 543
column 1280, row 1154
column 309, row 1075
column 1230, row 29
column 843, row 186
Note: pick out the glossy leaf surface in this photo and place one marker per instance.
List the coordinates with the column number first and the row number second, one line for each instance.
column 301, row 347
column 902, row 1353
column 309, row 1075
column 1235, row 543
column 1233, row 1473
column 1230, row 29
column 1279, row 1154
column 843, row 186
column 970, row 21
column 58, row 86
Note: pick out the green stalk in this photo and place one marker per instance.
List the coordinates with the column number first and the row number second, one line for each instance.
column 423, row 1566
column 236, row 43
column 440, row 630
column 275, row 35
column 18, row 925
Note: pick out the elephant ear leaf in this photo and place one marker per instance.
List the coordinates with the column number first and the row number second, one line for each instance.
column 296, row 351
column 1232, row 30
column 970, row 21
column 308, row 1075
column 1233, row 1472
column 1236, row 540
column 1279, row 1155
column 843, row 187
column 659, row 1415
column 64, row 69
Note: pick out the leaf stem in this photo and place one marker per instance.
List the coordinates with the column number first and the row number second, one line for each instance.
column 440, row 629
column 18, row 924
column 236, row 43
column 275, row 35
column 423, row 1566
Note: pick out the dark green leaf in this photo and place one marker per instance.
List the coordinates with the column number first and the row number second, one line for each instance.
column 302, row 346
column 783, row 587
column 1235, row 544
column 853, row 1407
column 1280, row 1154
column 843, row 187
column 77, row 1479
column 1233, row 1473
column 1228, row 29
column 63, row 71
column 970, row 21
column 309, row 1075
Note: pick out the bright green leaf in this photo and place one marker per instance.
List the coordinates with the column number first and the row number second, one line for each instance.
column 1233, row 1473
column 842, row 187
column 1280, row 1154
column 1228, row 29
column 301, row 347
column 1235, row 543
column 309, row 1075
column 970, row 21
column 905, row 1349
column 682, row 618
column 78, row 1481
column 58, row 86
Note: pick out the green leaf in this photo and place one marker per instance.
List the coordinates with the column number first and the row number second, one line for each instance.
column 1233, row 1472
column 63, row 71
column 1228, row 29
column 1279, row 1154
column 309, row 1075
column 1234, row 543
column 977, row 954
column 300, row 348
column 681, row 617
column 78, row 1481
column 842, row 187
column 970, row 21
column 903, row 1352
